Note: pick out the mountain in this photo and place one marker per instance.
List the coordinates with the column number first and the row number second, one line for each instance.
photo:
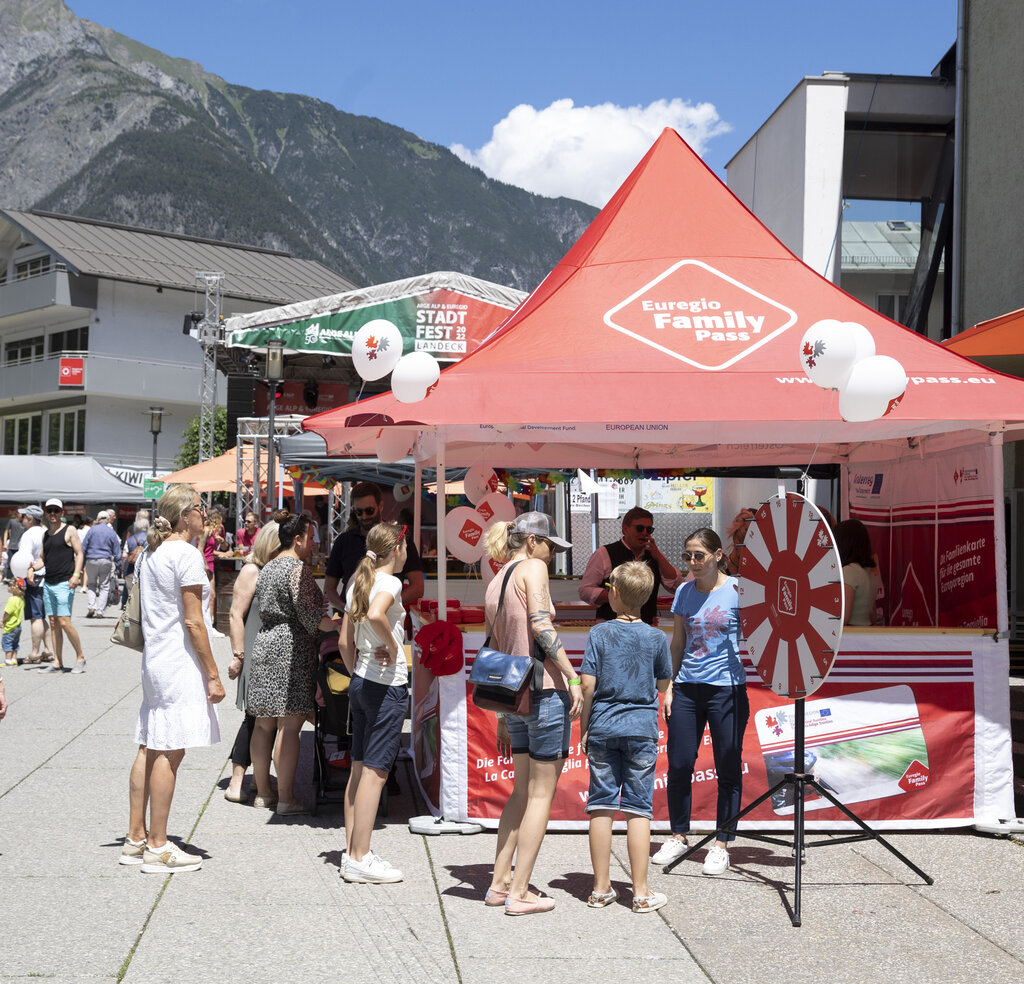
column 95, row 124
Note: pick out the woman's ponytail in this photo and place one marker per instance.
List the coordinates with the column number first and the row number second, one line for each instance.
column 381, row 542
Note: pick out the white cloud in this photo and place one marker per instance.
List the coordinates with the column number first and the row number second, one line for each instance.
column 585, row 152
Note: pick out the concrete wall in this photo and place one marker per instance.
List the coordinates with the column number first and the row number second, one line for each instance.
column 992, row 272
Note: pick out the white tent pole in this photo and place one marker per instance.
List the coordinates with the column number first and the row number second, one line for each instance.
column 417, row 506
column 996, row 455
column 442, row 546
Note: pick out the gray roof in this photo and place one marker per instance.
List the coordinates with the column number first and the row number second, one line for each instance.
column 891, row 245
column 144, row 256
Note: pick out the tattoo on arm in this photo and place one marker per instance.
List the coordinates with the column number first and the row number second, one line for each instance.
column 545, row 634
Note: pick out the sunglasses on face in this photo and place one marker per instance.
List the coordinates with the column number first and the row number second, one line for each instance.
column 643, row 529
column 694, row 555
column 53, row 510
column 200, row 507
column 365, row 511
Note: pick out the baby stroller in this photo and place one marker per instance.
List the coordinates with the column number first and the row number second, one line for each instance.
column 331, row 740
column 331, row 732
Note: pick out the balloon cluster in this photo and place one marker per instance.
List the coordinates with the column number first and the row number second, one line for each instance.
column 840, row 355
column 465, row 526
column 377, row 351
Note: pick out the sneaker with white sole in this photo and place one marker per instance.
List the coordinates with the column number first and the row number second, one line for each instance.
column 668, row 852
column 372, row 870
column 717, row 861
column 169, row 859
column 132, row 851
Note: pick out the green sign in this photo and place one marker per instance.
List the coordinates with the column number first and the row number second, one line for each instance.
column 153, row 488
column 444, row 323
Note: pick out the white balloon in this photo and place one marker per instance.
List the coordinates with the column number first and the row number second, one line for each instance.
column 376, row 349
column 464, row 534
column 830, row 349
column 414, row 377
column 874, row 388
column 479, row 481
column 425, row 448
column 496, row 508
column 393, row 444
column 20, row 564
column 401, row 491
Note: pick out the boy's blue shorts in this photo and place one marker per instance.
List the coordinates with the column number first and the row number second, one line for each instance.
column 622, row 775
column 12, row 640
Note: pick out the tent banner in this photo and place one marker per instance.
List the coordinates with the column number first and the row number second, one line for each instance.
column 909, row 731
column 443, row 323
column 932, row 527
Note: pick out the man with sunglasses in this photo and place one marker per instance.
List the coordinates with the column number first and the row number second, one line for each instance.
column 350, row 548
column 637, row 543
column 63, row 561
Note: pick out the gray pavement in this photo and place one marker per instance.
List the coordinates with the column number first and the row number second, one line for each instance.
column 269, row 904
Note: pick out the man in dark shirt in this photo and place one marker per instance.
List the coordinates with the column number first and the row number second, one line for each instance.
column 350, row 548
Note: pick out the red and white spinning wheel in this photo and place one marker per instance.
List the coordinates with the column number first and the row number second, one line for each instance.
column 791, row 595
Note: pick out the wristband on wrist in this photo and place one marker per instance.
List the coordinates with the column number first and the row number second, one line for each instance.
column 574, row 683
column 239, row 654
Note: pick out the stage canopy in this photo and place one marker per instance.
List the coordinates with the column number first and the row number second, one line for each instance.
column 71, row 477
column 669, row 336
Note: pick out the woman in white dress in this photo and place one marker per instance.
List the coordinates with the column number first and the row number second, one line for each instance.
column 180, row 681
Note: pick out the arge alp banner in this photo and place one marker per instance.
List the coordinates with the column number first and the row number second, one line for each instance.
column 443, row 323
column 932, row 530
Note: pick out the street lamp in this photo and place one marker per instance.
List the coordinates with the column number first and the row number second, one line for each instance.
column 156, row 415
column 275, row 373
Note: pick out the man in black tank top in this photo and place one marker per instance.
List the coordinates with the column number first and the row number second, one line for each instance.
column 63, row 560
column 637, row 543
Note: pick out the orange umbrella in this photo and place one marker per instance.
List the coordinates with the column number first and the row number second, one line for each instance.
column 997, row 343
column 220, row 474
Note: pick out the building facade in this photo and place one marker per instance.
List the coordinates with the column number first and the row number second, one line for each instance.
column 92, row 319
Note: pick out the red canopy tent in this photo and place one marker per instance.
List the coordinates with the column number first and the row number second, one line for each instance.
column 669, row 334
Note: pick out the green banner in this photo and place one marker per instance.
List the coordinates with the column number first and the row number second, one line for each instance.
column 443, row 323
column 153, row 488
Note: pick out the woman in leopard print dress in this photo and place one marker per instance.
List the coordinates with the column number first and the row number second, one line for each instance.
column 282, row 676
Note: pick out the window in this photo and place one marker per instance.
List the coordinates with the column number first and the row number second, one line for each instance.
column 893, row 306
column 23, row 435
column 66, row 431
column 72, row 340
column 32, row 268
column 23, row 350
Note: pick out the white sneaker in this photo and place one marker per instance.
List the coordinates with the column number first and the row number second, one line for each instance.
column 717, row 861
column 668, row 852
column 372, row 870
column 169, row 859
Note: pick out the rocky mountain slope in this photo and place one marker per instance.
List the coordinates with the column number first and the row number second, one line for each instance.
column 95, row 124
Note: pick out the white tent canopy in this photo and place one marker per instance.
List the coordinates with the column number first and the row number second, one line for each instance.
column 34, row 478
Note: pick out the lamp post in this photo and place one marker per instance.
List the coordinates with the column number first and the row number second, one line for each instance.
column 156, row 417
column 275, row 373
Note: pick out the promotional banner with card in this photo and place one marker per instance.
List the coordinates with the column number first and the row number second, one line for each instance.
column 913, row 735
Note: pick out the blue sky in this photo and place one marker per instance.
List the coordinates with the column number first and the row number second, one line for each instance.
column 515, row 87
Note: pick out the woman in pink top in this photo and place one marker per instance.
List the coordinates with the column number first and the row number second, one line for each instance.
column 538, row 743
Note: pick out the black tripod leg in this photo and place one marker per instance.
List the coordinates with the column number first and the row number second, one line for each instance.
column 798, row 846
column 873, row 834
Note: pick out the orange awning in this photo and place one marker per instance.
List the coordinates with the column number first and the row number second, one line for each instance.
column 220, row 474
column 997, row 343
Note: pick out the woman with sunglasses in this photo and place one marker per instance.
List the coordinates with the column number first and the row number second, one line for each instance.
column 180, row 681
column 710, row 689
column 539, row 743
column 372, row 645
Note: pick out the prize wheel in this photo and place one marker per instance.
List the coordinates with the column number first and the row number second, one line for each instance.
column 791, row 595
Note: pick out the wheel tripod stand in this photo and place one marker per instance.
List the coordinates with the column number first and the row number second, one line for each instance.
column 799, row 781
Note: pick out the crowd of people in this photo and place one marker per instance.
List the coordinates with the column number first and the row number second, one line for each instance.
column 279, row 614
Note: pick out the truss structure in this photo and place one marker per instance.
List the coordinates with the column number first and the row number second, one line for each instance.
column 210, row 336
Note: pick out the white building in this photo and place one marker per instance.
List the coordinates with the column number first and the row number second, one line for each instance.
column 117, row 297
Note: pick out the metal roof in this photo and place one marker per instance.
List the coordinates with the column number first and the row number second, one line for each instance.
column 891, row 245
column 145, row 256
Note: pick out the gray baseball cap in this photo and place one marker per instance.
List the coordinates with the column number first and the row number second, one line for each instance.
column 540, row 524
column 34, row 511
